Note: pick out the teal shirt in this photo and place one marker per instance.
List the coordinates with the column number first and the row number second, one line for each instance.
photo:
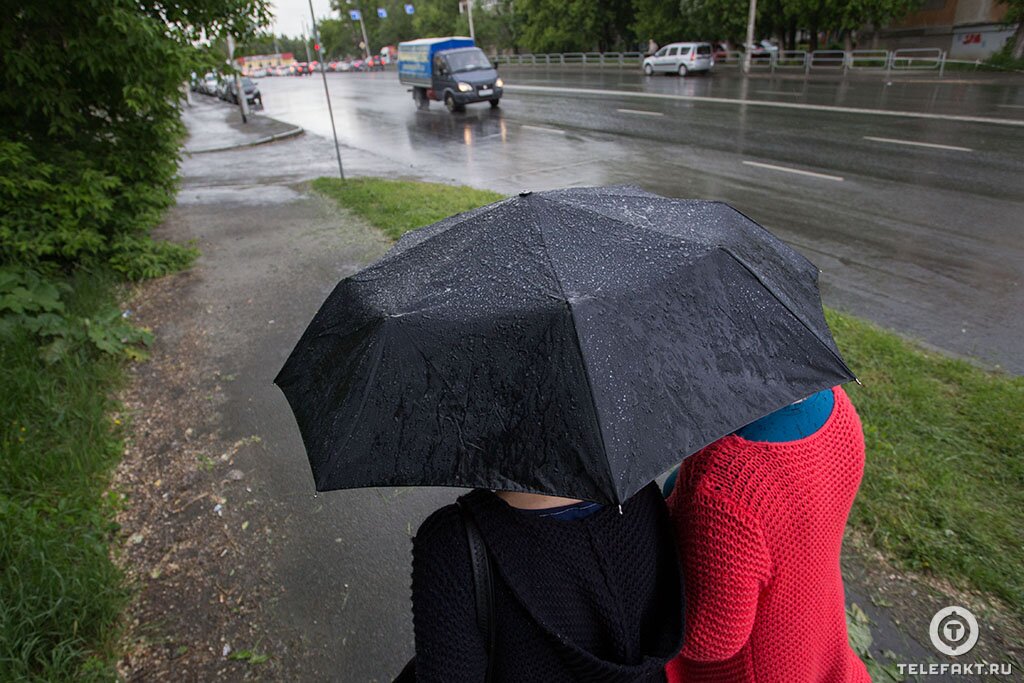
column 790, row 423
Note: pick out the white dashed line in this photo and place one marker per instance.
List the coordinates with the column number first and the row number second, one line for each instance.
column 543, row 129
column 642, row 112
column 919, row 144
column 787, row 169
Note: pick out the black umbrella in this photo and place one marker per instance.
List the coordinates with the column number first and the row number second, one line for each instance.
column 575, row 343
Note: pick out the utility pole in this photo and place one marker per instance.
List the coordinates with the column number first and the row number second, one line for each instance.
column 748, row 48
column 327, row 93
column 469, row 10
column 239, row 90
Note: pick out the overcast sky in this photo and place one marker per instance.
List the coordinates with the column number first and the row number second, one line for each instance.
column 289, row 15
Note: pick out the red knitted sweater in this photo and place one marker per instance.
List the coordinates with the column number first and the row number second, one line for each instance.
column 760, row 528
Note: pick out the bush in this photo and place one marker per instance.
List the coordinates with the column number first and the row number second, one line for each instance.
column 90, row 125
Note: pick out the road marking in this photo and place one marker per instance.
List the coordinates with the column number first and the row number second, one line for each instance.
column 780, row 92
column 787, row 169
column 643, row 112
column 1011, row 106
column 543, row 129
column 919, row 144
column 765, row 103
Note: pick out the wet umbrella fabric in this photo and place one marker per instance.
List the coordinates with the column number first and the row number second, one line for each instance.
column 576, row 343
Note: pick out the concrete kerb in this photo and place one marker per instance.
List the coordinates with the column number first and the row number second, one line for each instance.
column 290, row 133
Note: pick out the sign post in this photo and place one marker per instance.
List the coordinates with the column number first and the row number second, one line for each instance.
column 357, row 15
column 327, row 93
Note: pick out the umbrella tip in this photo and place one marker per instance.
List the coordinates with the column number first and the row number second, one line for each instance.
column 525, row 193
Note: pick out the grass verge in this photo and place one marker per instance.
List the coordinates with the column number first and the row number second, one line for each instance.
column 397, row 206
column 60, row 593
column 943, row 489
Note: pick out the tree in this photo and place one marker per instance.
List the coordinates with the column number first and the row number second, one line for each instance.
column 657, row 20
column 575, row 25
column 715, row 19
column 90, row 121
column 1015, row 15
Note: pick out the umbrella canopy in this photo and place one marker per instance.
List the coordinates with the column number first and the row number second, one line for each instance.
column 576, row 343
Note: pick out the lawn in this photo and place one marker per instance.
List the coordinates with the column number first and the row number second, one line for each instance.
column 60, row 594
column 943, row 488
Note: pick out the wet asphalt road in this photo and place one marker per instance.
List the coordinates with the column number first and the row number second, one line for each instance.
column 926, row 240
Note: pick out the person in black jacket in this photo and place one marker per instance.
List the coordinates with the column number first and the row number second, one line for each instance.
column 582, row 592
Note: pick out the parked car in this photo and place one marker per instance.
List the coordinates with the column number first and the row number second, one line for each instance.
column 208, row 86
column 763, row 50
column 358, row 65
column 252, row 92
column 259, row 73
column 680, row 58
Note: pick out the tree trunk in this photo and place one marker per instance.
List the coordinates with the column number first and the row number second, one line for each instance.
column 1018, row 41
column 848, row 40
column 813, row 42
column 791, row 35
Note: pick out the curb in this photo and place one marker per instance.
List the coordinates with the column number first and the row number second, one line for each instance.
column 259, row 141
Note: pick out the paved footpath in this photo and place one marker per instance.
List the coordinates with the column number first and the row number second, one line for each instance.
column 330, row 573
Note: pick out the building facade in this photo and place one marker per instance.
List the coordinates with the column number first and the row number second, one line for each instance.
column 965, row 29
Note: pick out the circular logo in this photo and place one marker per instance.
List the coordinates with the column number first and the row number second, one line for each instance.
column 953, row 630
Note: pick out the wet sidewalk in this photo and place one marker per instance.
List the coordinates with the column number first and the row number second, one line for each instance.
column 216, row 126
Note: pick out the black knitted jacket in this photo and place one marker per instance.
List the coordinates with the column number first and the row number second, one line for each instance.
column 595, row 599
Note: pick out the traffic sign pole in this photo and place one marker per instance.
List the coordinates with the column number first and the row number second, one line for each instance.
column 327, row 93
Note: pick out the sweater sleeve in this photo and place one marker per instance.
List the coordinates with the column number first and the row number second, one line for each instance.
column 449, row 646
column 726, row 563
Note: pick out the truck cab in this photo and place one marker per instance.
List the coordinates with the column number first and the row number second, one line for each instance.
column 450, row 70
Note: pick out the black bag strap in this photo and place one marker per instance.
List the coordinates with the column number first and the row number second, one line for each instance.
column 483, row 584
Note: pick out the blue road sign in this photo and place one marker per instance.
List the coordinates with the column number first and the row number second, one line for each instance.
column 409, row 9
column 354, row 13
column 382, row 13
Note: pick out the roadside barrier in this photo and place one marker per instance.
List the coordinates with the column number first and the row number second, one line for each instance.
column 887, row 61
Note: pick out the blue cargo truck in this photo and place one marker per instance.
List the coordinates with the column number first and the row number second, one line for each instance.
column 451, row 70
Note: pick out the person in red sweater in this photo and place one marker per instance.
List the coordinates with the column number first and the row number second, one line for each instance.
column 760, row 516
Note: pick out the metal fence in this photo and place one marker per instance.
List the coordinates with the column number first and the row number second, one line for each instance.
column 834, row 61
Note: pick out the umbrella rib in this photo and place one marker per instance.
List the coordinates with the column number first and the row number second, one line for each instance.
column 359, row 414
column 616, row 219
column 583, row 360
column 793, row 313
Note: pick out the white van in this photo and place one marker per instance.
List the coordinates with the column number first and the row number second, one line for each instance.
column 681, row 58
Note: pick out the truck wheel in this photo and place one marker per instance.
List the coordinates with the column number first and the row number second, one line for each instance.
column 648, row 69
column 451, row 104
column 420, row 96
column 494, row 103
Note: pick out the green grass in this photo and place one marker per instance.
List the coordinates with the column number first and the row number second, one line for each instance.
column 943, row 489
column 60, row 594
column 397, row 206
